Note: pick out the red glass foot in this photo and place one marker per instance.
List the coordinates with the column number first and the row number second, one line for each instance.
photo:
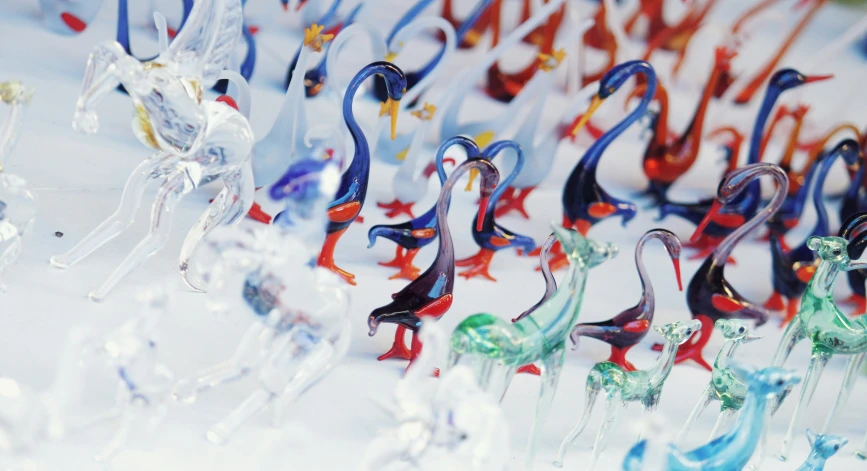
column 775, row 302
column 326, row 257
column 257, row 214
column 859, row 303
column 530, row 369
column 515, row 202
column 398, row 259
column 396, row 208
column 478, row 265
column 398, row 348
column 618, row 357
column 408, row 271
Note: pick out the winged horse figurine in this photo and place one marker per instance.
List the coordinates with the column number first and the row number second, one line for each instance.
column 196, row 141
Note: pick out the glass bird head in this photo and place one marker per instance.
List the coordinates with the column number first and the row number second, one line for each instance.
column 768, row 381
column 830, row 249
column 825, row 446
column 580, row 249
column 736, row 330
column 785, row 79
column 679, row 332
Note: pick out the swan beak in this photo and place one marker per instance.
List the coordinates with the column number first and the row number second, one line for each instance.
column 817, row 78
column 714, row 210
column 594, row 105
column 395, row 107
column 474, row 173
column 751, row 338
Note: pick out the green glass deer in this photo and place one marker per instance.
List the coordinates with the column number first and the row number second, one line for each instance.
column 499, row 347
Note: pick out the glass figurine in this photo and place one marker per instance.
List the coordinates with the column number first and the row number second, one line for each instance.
column 745, row 206
column 823, row 447
column 733, row 449
column 416, row 233
column 820, row 320
column 709, row 295
column 621, row 387
column 585, row 202
column 628, row 328
column 123, row 36
column 295, row 340
column 724, row 386
column 315, row 78
column 668, row 158
column 471, row 28
column 130, row 354
column 188, row 137
column 490, row 236
column 499, row 347
column 353, row 184
column 453, row 425
column 550, row 281
column 464, row 83
column 675, row 37
column 791, row 270
column 17, row 201
column 609, row 36
column 430, row 294
column 69, row 17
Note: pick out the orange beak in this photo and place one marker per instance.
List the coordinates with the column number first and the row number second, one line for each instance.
column 395, row 107
column 818, row 78
column 714, row 210
column 594, row 105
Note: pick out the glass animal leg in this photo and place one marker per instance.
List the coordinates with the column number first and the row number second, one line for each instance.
column 792, row 335
column 219, row 434
column 228, row 207
column 853, row 366
column 398, row 347
column 163, row 209
column 122, row 217
column 314, row 364
column 705, row 399
column 861, row 452
column 100, row 79
column 723, row 419
column 551, row 367
column 613, row 405
column 500, row 382
column 811, row 380
column 590, row 393
column 246, row 358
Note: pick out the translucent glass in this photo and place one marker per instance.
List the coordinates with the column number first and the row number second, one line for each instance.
column 823, row 447
column 496, row 344
column 17, row 201
column 449, row 423
column 621, row 387
column 196, row 142
column 295, row 339
column 724, row 385
column 733, row 449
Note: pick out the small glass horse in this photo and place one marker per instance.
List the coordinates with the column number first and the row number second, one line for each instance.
column 17, row 201
column 296, row 339
column 197, row 142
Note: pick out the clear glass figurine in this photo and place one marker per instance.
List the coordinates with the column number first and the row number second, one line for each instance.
column 500, row 347
column 622, row 387
column 296, row 338
column 196, row 142
column 724, row 386
column 824, row 447
column 448, row 423
column 17, row 201
column 734, row 449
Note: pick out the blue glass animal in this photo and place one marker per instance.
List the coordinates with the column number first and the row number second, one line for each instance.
column 824, row 447
column 731, row 451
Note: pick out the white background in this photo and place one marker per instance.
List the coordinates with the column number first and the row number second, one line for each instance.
column 79, row 178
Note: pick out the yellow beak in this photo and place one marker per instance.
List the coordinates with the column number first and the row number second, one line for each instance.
column 594, row 105
column 395, row 107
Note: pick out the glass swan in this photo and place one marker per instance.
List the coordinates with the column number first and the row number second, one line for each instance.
column 732, row 450
column 499, row 347
column 451, row 423
column 622, row 387
column 197, row 142
column 17, row 201
column 295, row 340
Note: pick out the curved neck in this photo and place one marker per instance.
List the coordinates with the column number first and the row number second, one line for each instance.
column 725, row 354
column 821, row 285
column 695, row 128
column 661, row 132
column 792, row 145
column 432, row 70
column 410, row 15
column 446, row 249
column 493, row 151
column 660, row 370
column 746, row 432
column 594, row 153
column 361, row 160
column 771, row 96
column 722, row 252
column 648, row 301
